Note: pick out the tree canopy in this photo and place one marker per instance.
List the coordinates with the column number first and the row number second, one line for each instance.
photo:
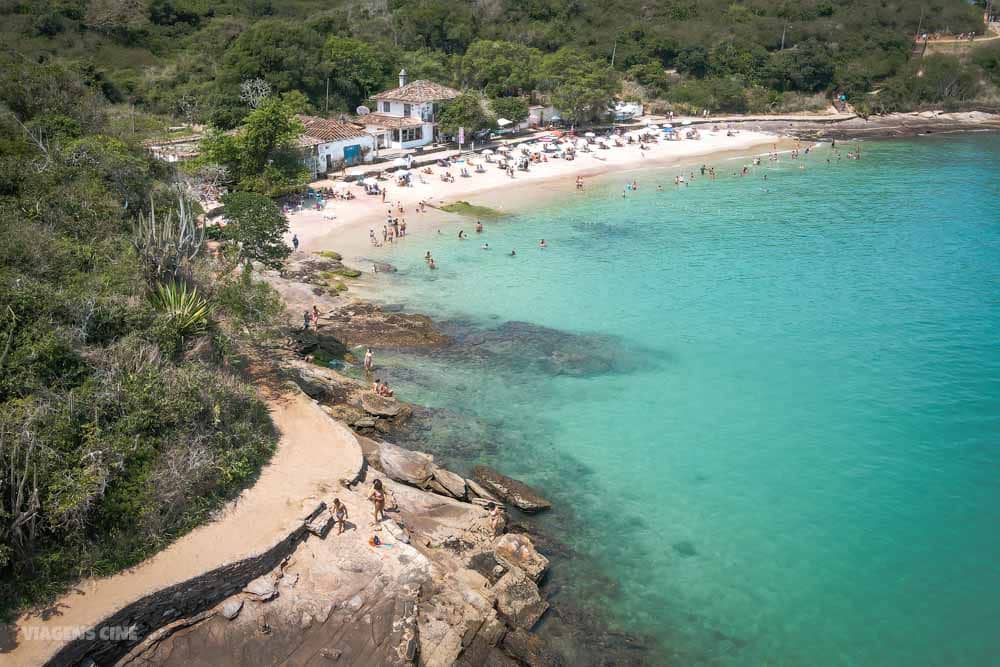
column 257, row 227
column 262, row 155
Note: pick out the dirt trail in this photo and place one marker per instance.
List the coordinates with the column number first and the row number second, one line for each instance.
column 314, row 453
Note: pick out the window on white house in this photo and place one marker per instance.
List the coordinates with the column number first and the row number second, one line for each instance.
column 386, row 107
column 407, row 108
column 413, row 134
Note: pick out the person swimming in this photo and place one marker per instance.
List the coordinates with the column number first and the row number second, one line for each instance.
column 513, row 252
column 543, row 244
column 486, row 246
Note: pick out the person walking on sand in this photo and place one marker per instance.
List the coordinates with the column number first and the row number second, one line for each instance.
column 369, row 360
column 377, row 496
column 295, row 241
column 340, row 515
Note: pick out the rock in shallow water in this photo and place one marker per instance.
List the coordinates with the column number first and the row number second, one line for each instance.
column 516, row 493
column 380, row 406
column 518, row 599
column 515, row 550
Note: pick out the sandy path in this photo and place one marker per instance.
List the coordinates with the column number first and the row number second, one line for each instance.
column 314, row 453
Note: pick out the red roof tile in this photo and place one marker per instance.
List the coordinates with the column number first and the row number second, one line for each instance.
column 419, row 91
column 326, row 130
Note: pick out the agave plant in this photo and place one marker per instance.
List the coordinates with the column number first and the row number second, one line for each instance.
column 186, row 309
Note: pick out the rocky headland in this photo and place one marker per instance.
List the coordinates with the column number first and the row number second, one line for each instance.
column 441, row 581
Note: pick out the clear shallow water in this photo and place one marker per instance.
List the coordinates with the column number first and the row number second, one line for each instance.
column 781, row 443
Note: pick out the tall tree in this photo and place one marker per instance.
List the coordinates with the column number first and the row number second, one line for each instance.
column 465, row 111
column 262, row 155
column 501, row 68
column 256, row 226
column 357, row 69
column 581, row 87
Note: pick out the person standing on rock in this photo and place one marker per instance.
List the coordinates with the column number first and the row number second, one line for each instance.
column 497, row 519
column 377, row 496
column 339, row 515
column 305, row 320
column 369, row 360
column 314, row 317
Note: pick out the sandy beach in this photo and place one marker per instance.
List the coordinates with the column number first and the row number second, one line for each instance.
column 344, row 224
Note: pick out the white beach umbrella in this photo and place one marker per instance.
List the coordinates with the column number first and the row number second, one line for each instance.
column 590, row 134
column 686, row 122
column 371, row 180
column 503, row 122
column 399, row 162
column 667, row 125
column 403, row 173
column 504, row 149
column 653, row 126
column 487, row 152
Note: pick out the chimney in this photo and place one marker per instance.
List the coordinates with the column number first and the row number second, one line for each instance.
column 402, row 78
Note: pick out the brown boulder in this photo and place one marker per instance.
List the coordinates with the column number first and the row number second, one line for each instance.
column 530, row 649
column 516, row 493
column 380, row 406
column 452, row 483
column 404, row 465
column 518, row 599
column 515, row 550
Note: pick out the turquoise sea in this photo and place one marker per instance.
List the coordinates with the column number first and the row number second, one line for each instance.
column 768, row 411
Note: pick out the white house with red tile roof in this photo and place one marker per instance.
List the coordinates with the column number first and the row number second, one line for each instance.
column 404, row 117
column 330, row 145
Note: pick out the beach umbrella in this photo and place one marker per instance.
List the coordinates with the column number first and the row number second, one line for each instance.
column 487, row 152
column 653, row 126
column 668, row 130
column 590, row 134
column 399, row 162
column 667, row 125
column 504, row 149
column 371, row 180
column 503, row 122
column 403, row 173
column 686, row 122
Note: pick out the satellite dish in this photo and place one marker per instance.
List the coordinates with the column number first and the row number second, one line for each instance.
column 362, row 111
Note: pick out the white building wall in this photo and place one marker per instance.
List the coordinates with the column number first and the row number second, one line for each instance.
column 335, row 151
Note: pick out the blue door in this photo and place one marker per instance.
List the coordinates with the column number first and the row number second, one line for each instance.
column 352, row 154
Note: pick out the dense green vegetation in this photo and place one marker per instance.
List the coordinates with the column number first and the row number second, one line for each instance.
column 120, row 425
column 191, row 59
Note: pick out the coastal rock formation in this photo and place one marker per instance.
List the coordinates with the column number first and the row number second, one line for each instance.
column 358, row 323
column 404, row 465
column 451, row 483
column 542, row 349
column 516, row 552
column 518, row 599
column 380, row 406
column 530, row 649
column 511, row 490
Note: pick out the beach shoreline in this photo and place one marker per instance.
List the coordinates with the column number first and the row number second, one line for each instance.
column 347, row 231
